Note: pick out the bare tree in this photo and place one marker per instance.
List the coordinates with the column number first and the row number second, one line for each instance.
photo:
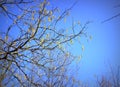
column 37, row 55
column 114, row 16
column 112, row 81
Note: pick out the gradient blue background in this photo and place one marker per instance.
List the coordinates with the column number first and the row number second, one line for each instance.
column 103, row 50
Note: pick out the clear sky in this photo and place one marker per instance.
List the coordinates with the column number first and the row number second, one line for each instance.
column 103, row 50
column 104, row 47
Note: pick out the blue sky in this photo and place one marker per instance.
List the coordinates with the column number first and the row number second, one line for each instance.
column 104, row 47
column 103, row 50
